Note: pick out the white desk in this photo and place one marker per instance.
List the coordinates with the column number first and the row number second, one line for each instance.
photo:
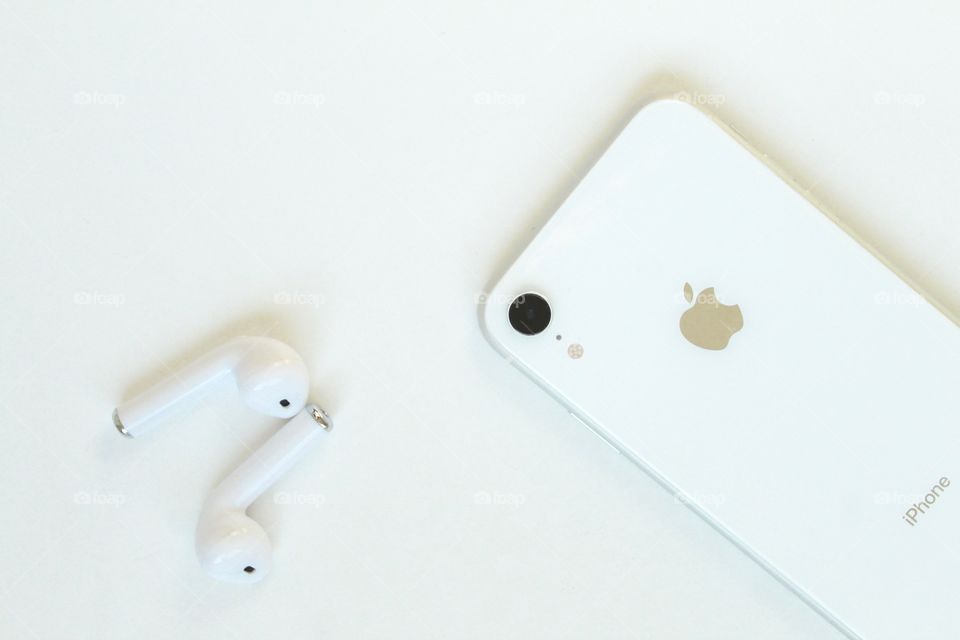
column 348, row 179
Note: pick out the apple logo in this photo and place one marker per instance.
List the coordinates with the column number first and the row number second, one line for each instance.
column 708, row 323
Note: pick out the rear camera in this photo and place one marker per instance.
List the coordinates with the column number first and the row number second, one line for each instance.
column 529, row 314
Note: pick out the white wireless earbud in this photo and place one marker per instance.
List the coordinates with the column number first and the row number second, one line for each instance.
column 271, row 377
column 231, row 546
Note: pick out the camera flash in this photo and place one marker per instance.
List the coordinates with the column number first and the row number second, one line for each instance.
column 575, row 351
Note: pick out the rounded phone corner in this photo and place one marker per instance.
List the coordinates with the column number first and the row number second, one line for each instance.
column 485, row 311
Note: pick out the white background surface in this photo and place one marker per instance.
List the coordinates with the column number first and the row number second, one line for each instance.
column 348, row 179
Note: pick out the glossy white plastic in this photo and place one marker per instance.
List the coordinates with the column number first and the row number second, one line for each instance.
column 271, row 377
column 809, row 438
column 230, row 545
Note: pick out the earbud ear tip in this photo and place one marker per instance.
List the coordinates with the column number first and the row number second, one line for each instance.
column 284, row 408
column 239, row 573
column 278, row 390
column 235, row 565
column 234, row 548
column 287, row 407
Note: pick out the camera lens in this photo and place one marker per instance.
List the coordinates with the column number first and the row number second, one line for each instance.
column 529, row 314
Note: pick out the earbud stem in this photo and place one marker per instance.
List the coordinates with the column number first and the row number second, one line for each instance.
column 136, row 416
column 268, row 463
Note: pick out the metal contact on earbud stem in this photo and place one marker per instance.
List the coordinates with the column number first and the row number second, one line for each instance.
column 321, row 417
column 119, row 425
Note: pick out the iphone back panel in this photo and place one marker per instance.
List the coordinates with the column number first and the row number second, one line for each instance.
column 742, row 348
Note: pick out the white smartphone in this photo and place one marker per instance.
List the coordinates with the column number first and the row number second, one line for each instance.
column 697, row 312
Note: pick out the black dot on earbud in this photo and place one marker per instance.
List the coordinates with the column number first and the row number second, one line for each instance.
column 248, row 569
column 284, row 403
